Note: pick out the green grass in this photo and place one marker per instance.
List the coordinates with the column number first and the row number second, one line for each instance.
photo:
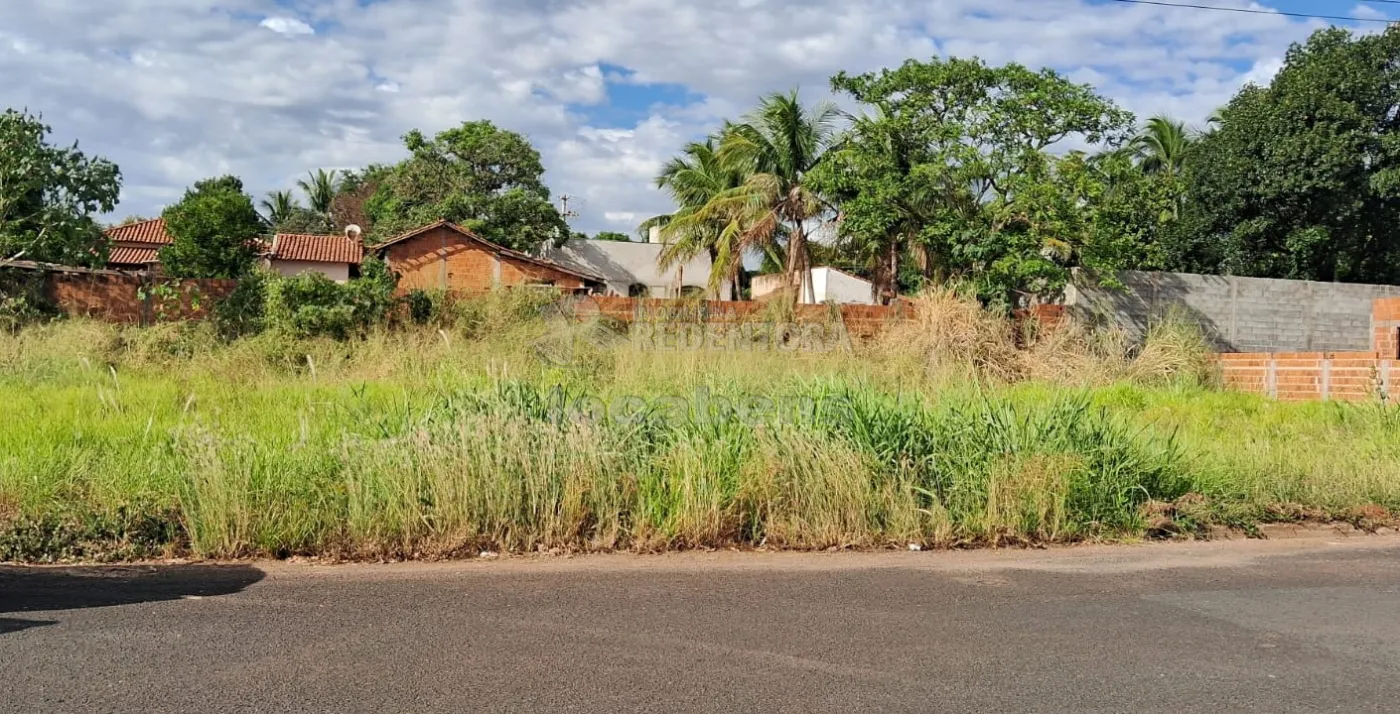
column 450, row 440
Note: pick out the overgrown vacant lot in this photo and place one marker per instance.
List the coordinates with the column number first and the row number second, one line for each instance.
column 494, row 429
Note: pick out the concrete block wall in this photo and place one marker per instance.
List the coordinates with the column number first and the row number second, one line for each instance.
column 1238, row 314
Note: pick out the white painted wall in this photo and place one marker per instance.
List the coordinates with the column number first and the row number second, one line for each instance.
column 829, row 285
column 838, row 287
column 339, row 272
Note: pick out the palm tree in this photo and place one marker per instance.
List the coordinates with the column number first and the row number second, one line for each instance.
column 279, row 206
column 320, row 187
column 774, row 148
column 694, row 178
column 1162, row 145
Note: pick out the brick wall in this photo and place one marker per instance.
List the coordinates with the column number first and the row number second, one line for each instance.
column 1341, row 376
column 443, row 259
column 1385, row 327
column 519, row 272
column 1311, row 376
column 861, row 321
column 126, row 298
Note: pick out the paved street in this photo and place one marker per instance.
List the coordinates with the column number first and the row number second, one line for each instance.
column 1307, row 625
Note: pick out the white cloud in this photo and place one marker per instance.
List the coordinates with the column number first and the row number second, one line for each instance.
column 217, row 89
column 287, row 26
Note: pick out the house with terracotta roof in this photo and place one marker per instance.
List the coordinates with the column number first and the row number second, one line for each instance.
column 136, row 246
column 336, row 257
column 446, row 256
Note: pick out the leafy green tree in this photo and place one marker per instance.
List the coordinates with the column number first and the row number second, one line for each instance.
column 485, row 178
column 49, row 195
column 1301, row 179
column 321, row 187
column 959, row 151
column 215, row 230
column 774, row 148
column 613, row 236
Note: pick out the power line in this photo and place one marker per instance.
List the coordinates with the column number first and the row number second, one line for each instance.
column 1252, row 11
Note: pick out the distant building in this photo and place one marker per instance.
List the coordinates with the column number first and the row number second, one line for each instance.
column 136, row 246
column 632, row 269
column 829, row 285
column 446, row 256
column 336, row 257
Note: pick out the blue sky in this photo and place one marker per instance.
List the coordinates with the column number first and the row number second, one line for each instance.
column 176, row 90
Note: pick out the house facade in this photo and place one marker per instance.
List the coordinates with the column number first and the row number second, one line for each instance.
column 633, row 269
column 336, row 257
column 136, row 246
column 446, row 256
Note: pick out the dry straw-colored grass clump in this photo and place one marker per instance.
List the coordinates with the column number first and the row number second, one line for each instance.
column 952, row 335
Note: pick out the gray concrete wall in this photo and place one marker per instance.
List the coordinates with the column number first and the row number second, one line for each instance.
column 1238, row 314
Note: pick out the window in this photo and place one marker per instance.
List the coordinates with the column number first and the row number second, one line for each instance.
column 638, row 290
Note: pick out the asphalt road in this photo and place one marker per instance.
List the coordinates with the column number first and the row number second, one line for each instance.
column 1279, row 626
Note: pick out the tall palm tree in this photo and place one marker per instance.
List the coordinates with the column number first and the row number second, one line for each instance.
column 278, row 206
column 320, row 187
column 1162, row 145
column 774, row 147
column 694, row 178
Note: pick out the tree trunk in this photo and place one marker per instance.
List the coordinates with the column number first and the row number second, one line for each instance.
column 799, row 273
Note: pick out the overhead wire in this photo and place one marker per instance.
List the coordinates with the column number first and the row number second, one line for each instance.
column 1256, row 11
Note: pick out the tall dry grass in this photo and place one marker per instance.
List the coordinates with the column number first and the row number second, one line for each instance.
column 446, row 439
column 950, row 335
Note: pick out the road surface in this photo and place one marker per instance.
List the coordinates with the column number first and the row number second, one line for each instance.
column 1280, row 626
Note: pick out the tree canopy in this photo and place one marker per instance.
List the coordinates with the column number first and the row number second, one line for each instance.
column 215, row 230
column 1301, row 179
column 49, row 195
column 948, row 164
column 485, row 178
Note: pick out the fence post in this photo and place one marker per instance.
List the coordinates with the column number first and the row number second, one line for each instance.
column 1271, row 377
column 1326, row 378
column 1385, row 380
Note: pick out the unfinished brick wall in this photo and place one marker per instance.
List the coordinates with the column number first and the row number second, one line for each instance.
column 1310, row 376
column 1341, row 376
column 861, row 321
column 1385, row 327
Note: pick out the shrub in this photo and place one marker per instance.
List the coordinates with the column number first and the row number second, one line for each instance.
column 243, row 312
column 312, row 305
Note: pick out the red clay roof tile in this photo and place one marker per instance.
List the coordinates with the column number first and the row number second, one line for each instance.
column 152, row 232
column 119, row 255
column 316, row 249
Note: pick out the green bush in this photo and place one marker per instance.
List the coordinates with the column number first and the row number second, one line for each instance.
column 243, row 312
column 313, row 305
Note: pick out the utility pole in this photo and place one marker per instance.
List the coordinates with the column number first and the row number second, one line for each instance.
column 564, row 207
